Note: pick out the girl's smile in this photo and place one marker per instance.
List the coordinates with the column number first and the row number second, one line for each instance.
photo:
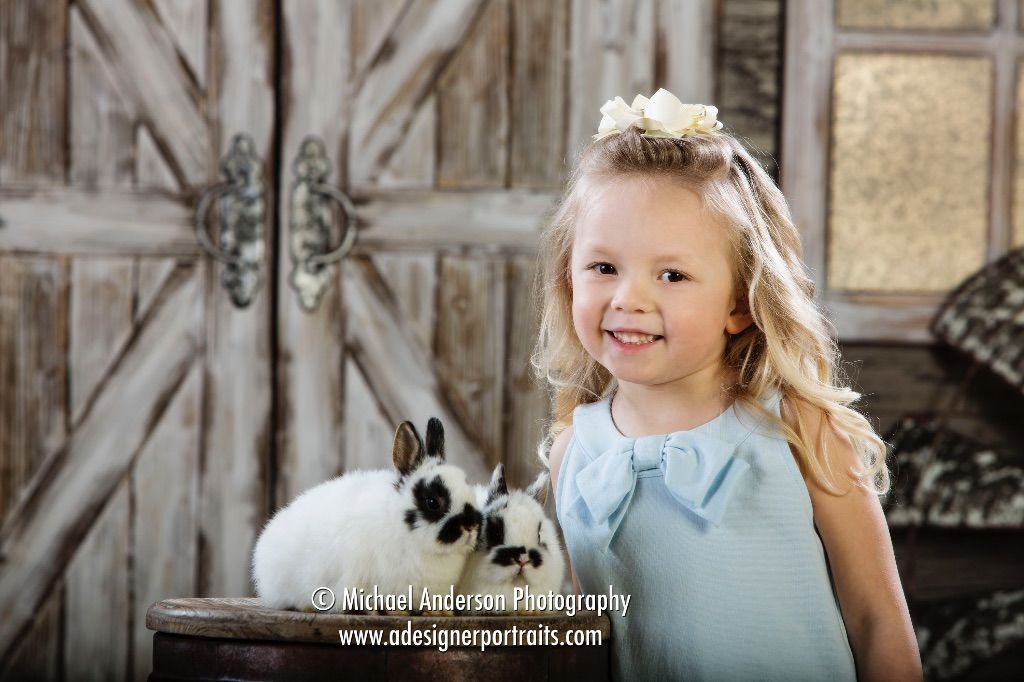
column 632, row 343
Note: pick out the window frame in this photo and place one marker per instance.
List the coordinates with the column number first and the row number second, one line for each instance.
column 812, row 44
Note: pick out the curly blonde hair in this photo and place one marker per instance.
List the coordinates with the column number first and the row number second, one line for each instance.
column 790, row 346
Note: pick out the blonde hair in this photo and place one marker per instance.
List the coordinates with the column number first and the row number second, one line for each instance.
column 789, row 347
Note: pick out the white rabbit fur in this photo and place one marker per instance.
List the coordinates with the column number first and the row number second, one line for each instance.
column 515, row 527
column 369, row 528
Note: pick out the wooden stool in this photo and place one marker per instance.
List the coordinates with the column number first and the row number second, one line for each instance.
column 202, row 639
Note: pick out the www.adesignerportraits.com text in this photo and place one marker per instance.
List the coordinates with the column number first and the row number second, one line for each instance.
column 442, row 638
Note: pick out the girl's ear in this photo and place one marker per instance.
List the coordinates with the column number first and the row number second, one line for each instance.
column 740, row 317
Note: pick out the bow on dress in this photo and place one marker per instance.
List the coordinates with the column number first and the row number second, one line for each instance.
column 700, row 471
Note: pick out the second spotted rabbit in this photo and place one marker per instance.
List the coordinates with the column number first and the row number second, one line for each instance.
column 518, row 546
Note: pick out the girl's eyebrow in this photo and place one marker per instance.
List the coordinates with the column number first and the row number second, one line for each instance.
column 676, row 258
column 595, row 249
column 598, row 250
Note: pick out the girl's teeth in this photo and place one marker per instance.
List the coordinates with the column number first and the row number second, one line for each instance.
column 633, row 338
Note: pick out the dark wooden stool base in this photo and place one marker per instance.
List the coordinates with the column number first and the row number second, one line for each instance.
column 216, row 639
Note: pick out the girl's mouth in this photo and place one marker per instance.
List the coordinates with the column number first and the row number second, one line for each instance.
column 633, row 342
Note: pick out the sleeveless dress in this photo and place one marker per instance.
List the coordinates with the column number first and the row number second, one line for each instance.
column 711, row 532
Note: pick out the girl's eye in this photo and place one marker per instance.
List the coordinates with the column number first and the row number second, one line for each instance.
column 674, row 276
column 603, row 268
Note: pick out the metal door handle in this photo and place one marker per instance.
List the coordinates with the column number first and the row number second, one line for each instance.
column 241, row 245
column 310, row 223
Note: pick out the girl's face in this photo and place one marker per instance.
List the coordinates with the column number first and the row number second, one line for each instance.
column 652, row 294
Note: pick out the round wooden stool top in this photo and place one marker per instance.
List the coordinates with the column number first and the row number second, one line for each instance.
column 244, row 618
column 215, row 638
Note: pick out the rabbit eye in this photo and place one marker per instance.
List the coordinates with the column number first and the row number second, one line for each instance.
column 433, row 504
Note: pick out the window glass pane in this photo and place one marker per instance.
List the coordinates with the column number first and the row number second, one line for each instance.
column 908, row 207
column 912, row 14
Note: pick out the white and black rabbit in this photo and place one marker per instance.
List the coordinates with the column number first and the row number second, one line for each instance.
column 414, row 525
column 518, row 546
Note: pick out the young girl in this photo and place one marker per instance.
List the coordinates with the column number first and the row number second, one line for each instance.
column 702, row 430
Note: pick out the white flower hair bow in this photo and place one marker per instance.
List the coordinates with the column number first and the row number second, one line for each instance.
column 663, row 115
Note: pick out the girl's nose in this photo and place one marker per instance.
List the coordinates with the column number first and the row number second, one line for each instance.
column 631, row 296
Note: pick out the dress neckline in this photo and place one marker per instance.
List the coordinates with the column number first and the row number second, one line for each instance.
column 705, row 427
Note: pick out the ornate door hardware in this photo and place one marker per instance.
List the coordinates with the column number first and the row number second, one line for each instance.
column 311, row 217
column 240, row 207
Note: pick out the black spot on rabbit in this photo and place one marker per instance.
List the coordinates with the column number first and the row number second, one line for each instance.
column 519, row 546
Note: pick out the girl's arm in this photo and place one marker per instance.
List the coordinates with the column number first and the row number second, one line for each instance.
column 856, row 539
column 555, row 460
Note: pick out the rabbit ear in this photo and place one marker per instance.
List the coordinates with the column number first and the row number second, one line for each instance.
column 538, row 490
column 407, row 451
column 497, row 486
column 435, row 438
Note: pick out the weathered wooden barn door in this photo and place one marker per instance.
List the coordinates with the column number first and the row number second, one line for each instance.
column 448, row 133
column 134, row 395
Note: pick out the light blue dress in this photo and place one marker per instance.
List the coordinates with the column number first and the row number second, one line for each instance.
column 711, row 532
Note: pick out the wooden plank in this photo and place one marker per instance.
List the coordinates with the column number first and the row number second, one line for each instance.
column 413, row 165
column 415, row 219
column 413, row 278
column 470, row 349
column 944, row 564
column 684, row 59
column 165, row 504
column 310, row 411
column 473, row 105
column 540, row 34
column 606, row 61
column 33, row 134
column 101, row 322
column 101, row 120
column 748, row 83
column 151, row 173
column 186, row 23
column 372, row 24
column 945, row 41
column 33, row 397
column 237, row 420
column 369, row 433
column 96, row 629
column 151, row 169
column 881, row 317
column 150, row 276
column 142, row 55
column 805, row 133
column 400, row 371
column 39, row 540
column 397, row 83
column 526, row 404
column 37, row 656
column 902, row 379
column 245, row 619
column 311, row 399
column 67, row 220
